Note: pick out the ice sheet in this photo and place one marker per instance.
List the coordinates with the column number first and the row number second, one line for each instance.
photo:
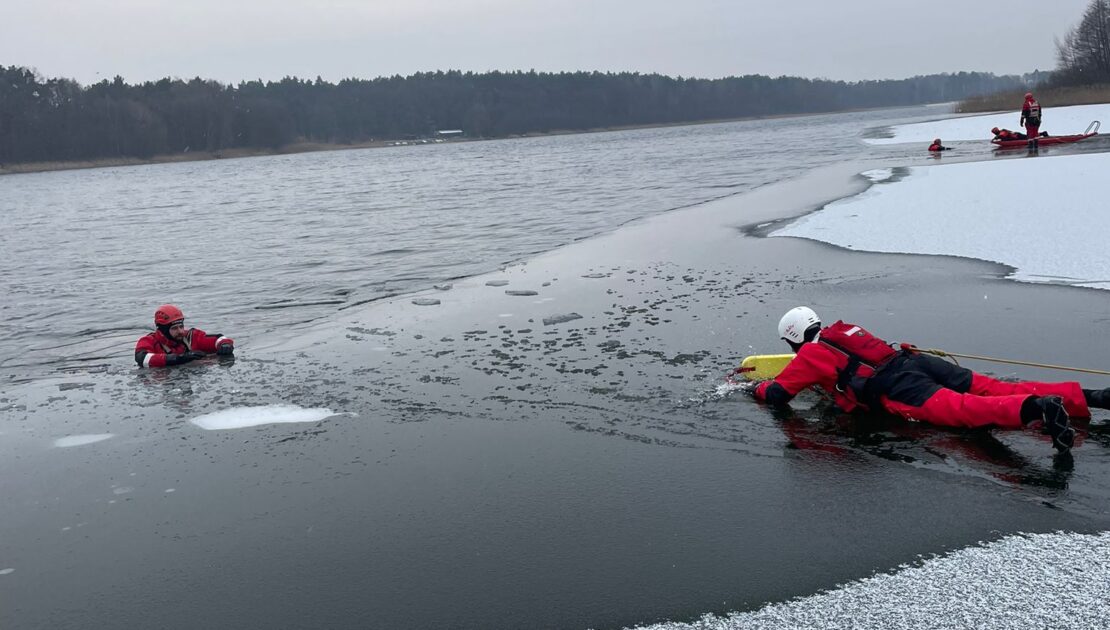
column 1044, row 216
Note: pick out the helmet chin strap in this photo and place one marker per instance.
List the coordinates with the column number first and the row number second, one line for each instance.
column 813, row 332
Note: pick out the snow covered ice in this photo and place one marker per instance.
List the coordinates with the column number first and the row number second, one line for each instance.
column 1036, row 581
column 1045, row 217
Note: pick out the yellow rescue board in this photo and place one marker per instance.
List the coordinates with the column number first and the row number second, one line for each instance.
column 761, row 367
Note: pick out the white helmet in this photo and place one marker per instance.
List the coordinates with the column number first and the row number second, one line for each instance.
column 793, row 325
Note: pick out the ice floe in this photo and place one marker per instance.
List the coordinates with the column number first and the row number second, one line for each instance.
column 1025, row 581
column 1044, row 216
column 1058, row 121
column 242, row 417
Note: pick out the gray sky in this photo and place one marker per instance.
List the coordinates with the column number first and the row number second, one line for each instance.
column 232, row 40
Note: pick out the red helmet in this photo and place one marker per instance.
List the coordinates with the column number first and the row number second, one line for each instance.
column 167, row 315
column 1028, row 96
column 994, row 130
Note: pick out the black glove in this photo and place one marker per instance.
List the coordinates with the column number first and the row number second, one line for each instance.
column 225, row 349
column 184, row 357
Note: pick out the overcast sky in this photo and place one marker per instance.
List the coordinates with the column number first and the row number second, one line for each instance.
column 233, row 40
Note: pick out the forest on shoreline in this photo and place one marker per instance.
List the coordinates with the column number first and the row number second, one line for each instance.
column 59, row 121
column 55, row 122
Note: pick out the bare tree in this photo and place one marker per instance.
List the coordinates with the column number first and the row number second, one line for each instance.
column 1083, row 56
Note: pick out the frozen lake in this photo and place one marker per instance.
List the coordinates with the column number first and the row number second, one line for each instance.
column 548, row 444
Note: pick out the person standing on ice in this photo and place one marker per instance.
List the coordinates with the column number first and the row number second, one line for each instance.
column 173, row 344
column 936, row 146
column 861, row 371
column 1031, row 118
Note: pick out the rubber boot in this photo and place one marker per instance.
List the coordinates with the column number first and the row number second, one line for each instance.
column 1056, row 422
column 1097, row 398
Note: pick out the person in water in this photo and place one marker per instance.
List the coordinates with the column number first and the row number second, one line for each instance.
column 937, row 146
column 861, row 371
column 173, row 344
column 1031, row 118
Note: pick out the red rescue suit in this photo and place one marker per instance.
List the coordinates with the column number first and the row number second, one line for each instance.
column 1006, row 134
column 152, row 349
column 911, row 385
column 936, row 146
column 1031, row 117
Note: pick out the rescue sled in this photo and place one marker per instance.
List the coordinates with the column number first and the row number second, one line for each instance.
column 1044, row 141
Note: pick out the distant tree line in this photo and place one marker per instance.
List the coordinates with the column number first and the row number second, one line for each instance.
column 59, row 119
column 1083, row 56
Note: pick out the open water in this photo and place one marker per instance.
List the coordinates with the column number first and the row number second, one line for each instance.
column 254, row 245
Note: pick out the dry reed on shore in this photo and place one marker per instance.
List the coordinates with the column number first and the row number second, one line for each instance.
column 1047, row 97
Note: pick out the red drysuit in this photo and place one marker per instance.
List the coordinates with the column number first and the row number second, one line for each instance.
column 912, row 385
column 1031, row 117
column 152, row 349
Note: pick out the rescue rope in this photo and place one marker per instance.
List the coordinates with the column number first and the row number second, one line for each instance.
column 953, row 355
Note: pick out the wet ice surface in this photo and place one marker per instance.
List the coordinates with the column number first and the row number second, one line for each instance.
column 991, row 586
column 1059, row 121
column 243, row 417
column 1044, row 217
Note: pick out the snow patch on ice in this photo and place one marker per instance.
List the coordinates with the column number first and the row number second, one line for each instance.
column 1046, row 217
column 81, row 440
column 879, row 174
column 1058, row 121
column 243, row 417
column 1024, row 581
